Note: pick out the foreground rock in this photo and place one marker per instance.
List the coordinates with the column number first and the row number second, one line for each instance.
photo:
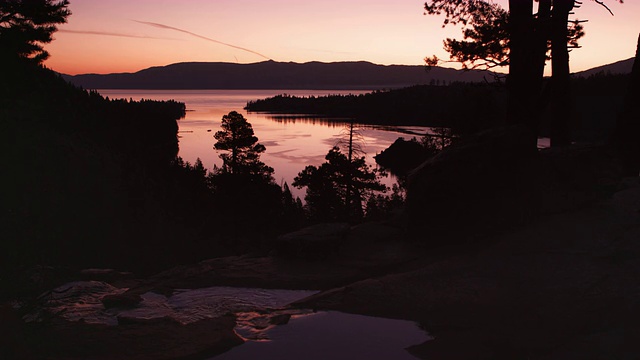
column 562, row 287
column 403, row 156
column 333, row 256
column 152, row 339
column 314, row 242
column 493, row 181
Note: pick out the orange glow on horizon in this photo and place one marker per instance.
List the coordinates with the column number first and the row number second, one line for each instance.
column 110, row 36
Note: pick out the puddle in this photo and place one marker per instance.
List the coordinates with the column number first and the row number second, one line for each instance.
column 333, row 335
column 270, row 330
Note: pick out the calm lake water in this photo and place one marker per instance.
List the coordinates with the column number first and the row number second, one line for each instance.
column 292, row 142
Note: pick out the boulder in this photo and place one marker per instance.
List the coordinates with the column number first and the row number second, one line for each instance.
column 402, row 156
column 313, row 242
column 457, row 185
column 494, row 181
column 124, row 300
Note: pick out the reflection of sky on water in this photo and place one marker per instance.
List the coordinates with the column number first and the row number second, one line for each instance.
column 292, row 143
column 334, row 335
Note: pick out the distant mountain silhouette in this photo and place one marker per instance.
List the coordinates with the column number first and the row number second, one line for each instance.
column 277, row 75
column 618, row 67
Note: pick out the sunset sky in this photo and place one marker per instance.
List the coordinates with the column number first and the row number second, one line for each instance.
column 104, row 36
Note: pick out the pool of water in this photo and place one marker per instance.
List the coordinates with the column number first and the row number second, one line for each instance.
column 270, row 328
column 333, row 335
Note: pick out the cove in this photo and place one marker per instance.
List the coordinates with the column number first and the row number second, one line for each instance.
column 292, row 142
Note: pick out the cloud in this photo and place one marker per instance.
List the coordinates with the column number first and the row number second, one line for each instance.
column 106, row 33
column 270, row 143
column 162, row 26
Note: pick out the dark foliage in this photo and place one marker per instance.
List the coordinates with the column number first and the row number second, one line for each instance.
column 251, row 207
column 25, row 25
column 625, row 138
column 403, row 156
column 338, row 189
column 424, row 105
column 524, row 39
column 601, row 84
column 243, row 151
column 92, row 182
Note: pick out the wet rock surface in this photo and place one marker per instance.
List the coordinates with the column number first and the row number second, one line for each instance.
column 562, row 287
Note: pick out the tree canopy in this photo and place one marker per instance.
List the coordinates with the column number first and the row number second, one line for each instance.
column 26, row 25
column 243, row 151
column 524, row 39
column 337, row 189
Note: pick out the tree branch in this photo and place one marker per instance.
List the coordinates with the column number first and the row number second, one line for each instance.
column 599, row 2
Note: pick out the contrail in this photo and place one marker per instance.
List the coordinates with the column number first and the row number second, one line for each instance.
column 201, row 37
column 104, row 33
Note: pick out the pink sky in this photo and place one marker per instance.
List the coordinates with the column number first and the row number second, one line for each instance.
column 104, row 36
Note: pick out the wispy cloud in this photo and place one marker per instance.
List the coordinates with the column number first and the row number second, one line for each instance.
column 162, row 26
column 106, row 33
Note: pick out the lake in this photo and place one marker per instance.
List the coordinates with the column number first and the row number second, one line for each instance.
column 292, row 142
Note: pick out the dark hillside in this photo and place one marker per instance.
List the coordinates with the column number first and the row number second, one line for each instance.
column 618, row 67
column 89, row 182
column 276, row 75
column 467, row 107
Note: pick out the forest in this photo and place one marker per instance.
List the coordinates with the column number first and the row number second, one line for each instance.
column 83, row 190
column 432, row 105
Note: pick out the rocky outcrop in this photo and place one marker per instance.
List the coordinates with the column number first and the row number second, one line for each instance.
column 403, row 156
column 564, row 287
column 313, row 242
column 458, row 185
column 124, row 300
column 493, row 181
column 155, row 339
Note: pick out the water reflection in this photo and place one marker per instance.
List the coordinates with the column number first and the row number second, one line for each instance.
column 292, row 142
column 334, row 335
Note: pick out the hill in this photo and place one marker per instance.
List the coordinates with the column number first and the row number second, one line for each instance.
column 276, row 75
column 618, row 67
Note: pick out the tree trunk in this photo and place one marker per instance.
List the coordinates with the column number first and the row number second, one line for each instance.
column 521, row 81
column 560, row 74
column 349, row 182
column 542, row 33
column 542, row 36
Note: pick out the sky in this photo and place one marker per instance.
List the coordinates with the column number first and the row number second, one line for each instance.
column 107, row 36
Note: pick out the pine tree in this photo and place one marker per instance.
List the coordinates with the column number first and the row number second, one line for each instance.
column 243, row 151
column 337, row 189
column 26, row 25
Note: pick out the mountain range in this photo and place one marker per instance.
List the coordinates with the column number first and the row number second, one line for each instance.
column 289, row 75
column 618, row 67
column 277, row 75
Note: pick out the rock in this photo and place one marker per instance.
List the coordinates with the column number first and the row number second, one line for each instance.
column 457, row 186
column 562, row 287
column 108, row 275
column 493, row 182
column 402, row 156
column 128, row 320
column 124, row 300
column 139, row 339
column 313, row 242
column 280, row 319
